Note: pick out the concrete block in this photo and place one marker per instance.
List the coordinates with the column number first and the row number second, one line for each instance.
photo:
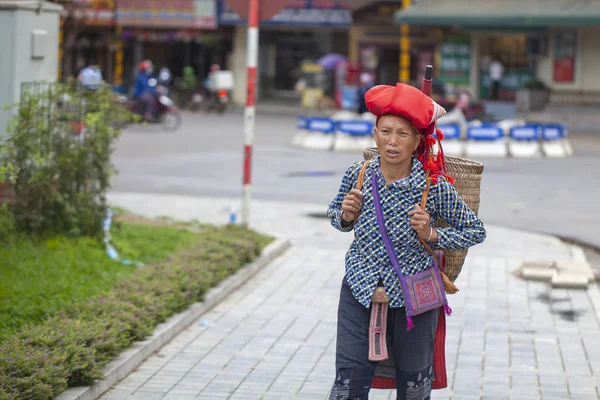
column 554, row 149
column 575, row 267
column 570, row 281
column 299, row 138
column 492, row 148
column 343, row 142
column 542, row 264
column 538, row 274
column 519, row 149
column 319, row 141
column 454, row 148
column 568, row 148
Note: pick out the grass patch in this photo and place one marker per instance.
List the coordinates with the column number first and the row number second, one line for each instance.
column 39, row 277
column 101, row 308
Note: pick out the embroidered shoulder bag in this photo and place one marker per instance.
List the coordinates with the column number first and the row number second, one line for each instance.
column 423, row 291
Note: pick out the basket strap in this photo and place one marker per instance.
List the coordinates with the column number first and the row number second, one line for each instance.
column 449, row 287
column 360, row 181
column 361, row 176
column 424, row 199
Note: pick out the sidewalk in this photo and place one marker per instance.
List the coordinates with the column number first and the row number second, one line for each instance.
column 275, row 337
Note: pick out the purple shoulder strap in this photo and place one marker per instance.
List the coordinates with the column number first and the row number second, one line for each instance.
column 386, row 238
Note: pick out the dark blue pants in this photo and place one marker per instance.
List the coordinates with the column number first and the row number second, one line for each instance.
column 412, row 351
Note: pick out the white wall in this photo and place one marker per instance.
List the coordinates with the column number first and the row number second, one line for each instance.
column 28, row 69
column 18, row 20
column 7, row 66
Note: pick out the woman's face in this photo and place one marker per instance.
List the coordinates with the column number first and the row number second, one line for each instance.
column 396, row 138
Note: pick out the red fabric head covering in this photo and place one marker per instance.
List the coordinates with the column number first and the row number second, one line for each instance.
column 409, row 102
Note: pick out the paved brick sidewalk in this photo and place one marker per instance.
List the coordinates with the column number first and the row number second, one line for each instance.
column 275, row 338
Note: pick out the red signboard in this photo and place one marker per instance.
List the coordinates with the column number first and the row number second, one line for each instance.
column 267, row 9
column 564, row 56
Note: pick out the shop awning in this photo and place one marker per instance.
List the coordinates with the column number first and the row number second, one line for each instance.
column 501, row 13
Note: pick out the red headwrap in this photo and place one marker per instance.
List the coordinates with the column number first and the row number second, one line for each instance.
column 409, row 102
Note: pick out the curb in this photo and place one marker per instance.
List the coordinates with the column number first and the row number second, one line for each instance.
column 137, row 353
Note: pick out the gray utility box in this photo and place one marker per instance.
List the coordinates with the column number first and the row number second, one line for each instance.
column 29, row 32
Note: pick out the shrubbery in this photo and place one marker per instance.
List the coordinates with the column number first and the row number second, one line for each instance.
column 58, row 157
column 71, row 348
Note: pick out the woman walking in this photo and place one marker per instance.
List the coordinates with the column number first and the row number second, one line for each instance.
column 401, row 194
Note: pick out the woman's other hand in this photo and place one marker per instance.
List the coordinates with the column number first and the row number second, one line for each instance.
column 351, row 205
column 421, row 223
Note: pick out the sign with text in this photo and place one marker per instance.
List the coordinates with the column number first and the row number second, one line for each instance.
column 332, row 13
column 92, row 12
column 456, row 60
column 183, row 14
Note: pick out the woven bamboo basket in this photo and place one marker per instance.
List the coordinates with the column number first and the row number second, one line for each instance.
column 467, row 176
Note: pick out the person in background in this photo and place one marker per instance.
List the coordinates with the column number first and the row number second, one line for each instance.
column 143, row 92
column 366, row 83
column 496, row 75
column 165, row 76
column 90, row 77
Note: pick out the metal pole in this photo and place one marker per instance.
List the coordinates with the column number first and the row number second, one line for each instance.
column 250, row 112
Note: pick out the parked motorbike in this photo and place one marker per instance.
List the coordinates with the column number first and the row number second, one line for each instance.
column 220, row 85
column 221, row 101
column 166, row 113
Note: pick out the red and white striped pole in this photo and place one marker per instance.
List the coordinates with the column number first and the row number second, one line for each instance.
column 250, row 112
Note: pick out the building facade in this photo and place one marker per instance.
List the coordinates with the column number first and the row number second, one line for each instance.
column 304, row 30
column 535, row 40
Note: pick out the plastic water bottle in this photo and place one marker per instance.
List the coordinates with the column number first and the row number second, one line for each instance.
column 232, row 214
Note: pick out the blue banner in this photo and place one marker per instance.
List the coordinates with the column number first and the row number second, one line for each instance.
column 297, row 13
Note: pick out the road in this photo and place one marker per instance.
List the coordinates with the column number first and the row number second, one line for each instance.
column 556, row 196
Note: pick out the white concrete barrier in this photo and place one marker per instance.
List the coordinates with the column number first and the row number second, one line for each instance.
column 567, row 142
column 553, row 137
column 367, row 116
column 344, row 115
column 452, row 144
column 487, row 140
column 507, row 124
column 320, row 134
column 457, row 118
column 482, row 140
column 301, row 131
column 354, row 135
column 524, row 141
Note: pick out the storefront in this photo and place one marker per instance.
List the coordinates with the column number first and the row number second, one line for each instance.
column 375, row 43
column 170, row 33
column 304, row 30
column 88, row 35
column 554, row 43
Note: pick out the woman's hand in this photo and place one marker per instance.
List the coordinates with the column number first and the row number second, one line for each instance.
column 420, row 222
column 351, row 205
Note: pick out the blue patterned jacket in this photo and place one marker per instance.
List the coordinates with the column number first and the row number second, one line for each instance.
column 367, row 261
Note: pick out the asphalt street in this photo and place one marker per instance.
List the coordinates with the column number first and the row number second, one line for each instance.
column 204, row 158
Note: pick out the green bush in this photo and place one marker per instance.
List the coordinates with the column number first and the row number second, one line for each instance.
column 41, row 276
column 60, row 175
column 71, row 348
